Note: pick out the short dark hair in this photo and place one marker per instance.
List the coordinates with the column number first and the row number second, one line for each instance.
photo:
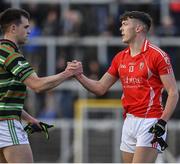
column 12, row 15
column 142, row 16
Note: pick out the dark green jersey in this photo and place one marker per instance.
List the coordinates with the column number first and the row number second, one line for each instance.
column 14, row 69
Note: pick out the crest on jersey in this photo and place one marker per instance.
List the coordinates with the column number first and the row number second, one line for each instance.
column 141, row 65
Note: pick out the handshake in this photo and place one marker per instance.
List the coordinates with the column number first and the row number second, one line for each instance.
column 74, row 68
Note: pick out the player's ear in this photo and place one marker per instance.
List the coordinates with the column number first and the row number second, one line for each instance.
column 13, row 28
column 139, row 28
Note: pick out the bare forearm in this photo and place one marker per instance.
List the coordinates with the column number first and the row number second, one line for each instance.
column 170, row 105
column 91, row 85
column 52, row 81
column 40, row 84
column 26, row 117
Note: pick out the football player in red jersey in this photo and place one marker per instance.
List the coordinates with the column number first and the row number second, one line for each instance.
column 144, row 71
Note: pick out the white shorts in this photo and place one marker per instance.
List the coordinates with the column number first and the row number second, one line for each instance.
column 12, row 133
column 135, row 133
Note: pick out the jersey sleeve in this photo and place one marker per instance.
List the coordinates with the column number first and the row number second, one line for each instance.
column 18, row 66
column 113, row 69
column 163, row 64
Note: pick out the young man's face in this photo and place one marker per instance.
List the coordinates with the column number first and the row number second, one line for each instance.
column 128, row 30
column 22, row 31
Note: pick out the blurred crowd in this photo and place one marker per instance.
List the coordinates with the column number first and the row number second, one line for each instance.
column 80, row 20
column 95, row 19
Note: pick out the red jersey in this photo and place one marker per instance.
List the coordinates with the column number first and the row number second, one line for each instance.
column 140, row 79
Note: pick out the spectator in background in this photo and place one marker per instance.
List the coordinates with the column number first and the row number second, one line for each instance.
column 89, row 21
column 51, row 24
column 71, row 23
column 174, row 6
column 94, row 70
column 61, row 62
column 167, row 27
column 111, row 25
column 102, row 19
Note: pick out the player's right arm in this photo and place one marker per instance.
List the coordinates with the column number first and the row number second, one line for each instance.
column 16, row 64
column 99, row 87
column 40, row 84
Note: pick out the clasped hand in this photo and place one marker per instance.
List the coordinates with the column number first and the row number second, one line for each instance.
column 74, row 68
column 159, row 128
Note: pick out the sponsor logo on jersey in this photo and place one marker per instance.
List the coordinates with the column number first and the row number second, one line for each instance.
column 132, row 80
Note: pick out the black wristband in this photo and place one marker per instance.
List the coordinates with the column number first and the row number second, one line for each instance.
column 162, row 122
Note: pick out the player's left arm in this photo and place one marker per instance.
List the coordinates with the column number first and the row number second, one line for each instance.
column 34, row 125
column 28, row 118
column 170, row 85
